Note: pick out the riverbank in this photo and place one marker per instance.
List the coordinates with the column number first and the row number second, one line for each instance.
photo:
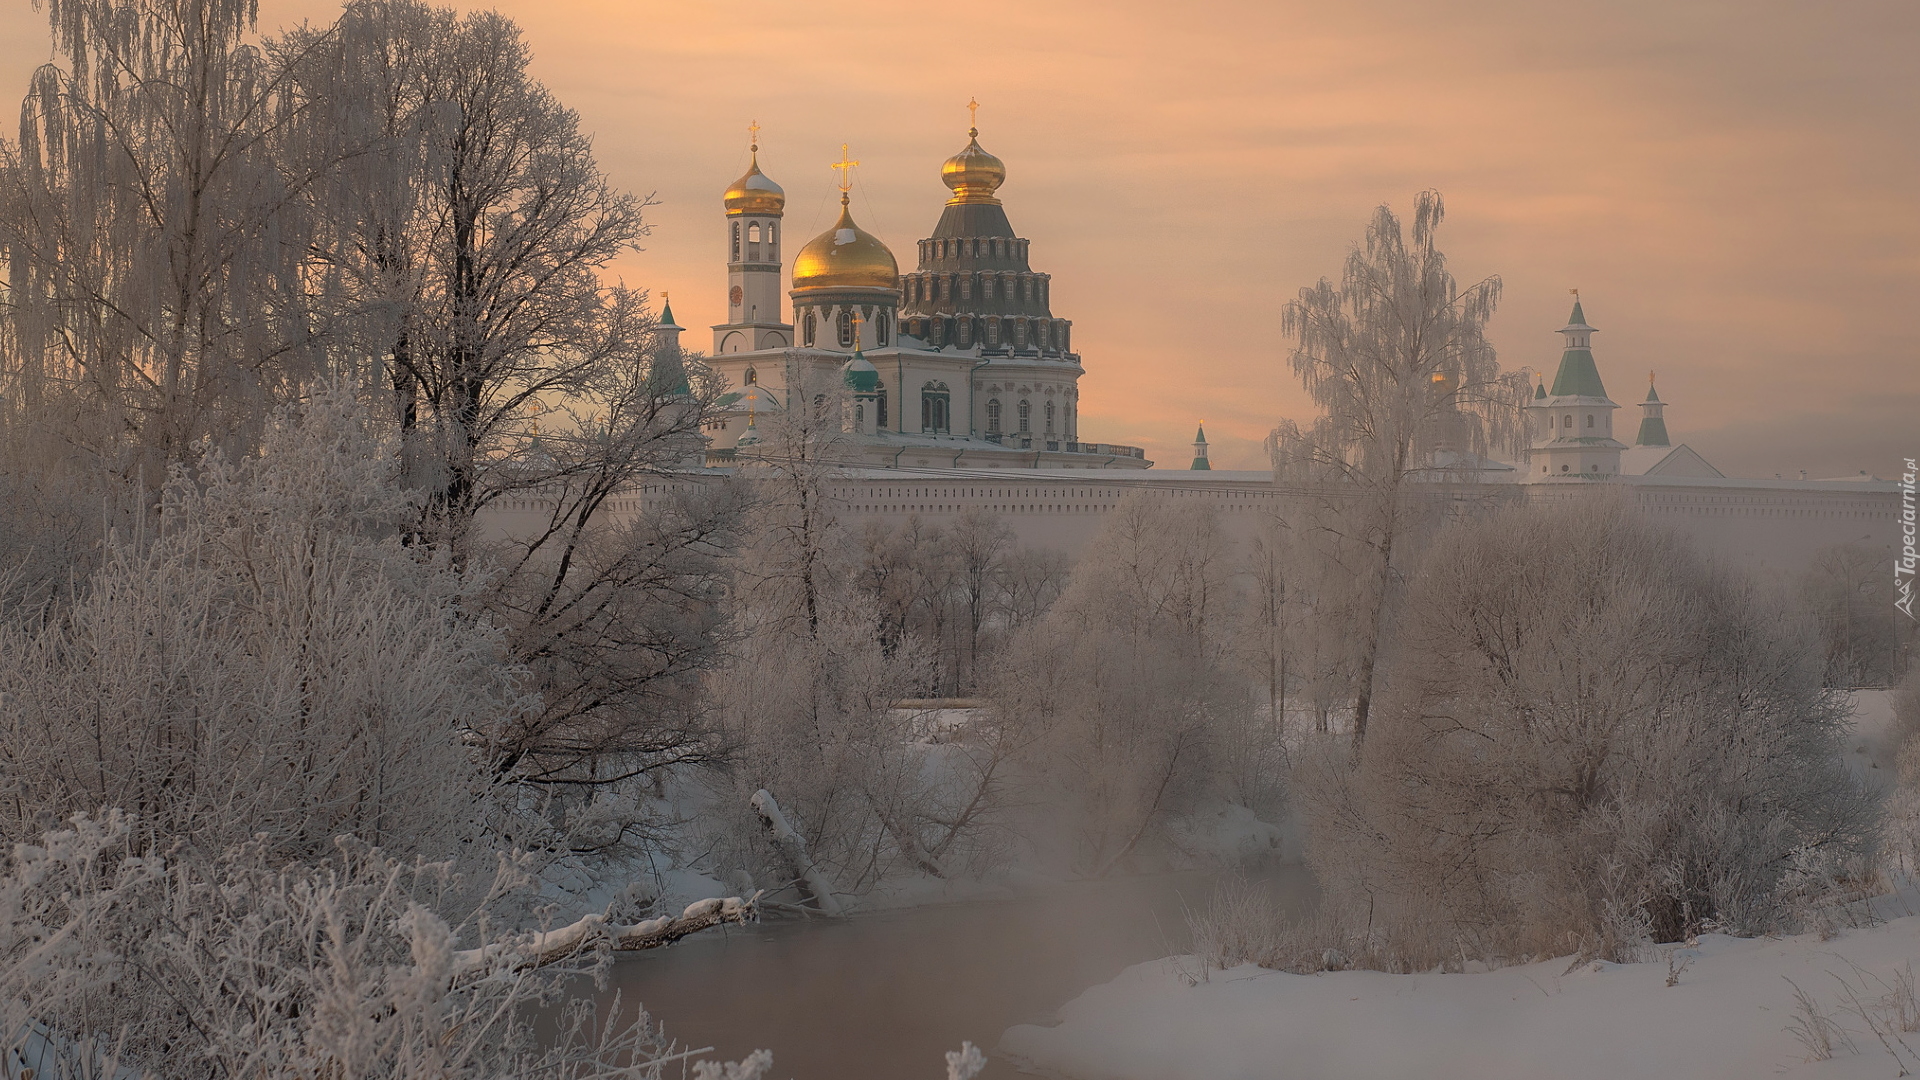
column 1722, row 1010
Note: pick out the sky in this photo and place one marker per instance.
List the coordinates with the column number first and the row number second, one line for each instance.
column 1729, row 183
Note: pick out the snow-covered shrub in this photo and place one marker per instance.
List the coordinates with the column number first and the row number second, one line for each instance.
column 115, row 962
column 1594, row 736
column 1125, row 696
column 271, row 660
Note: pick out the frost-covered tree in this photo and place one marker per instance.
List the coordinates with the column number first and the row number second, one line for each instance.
column 270, row 660
column 1596, row 738
column 463, row 240
column 1409, row 388
column 156, row 289
column 1122, row 692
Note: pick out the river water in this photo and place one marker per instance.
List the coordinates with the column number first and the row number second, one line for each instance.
column 884, row 996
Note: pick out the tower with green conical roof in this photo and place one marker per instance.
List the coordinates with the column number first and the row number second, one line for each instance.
column 1572, row 420
column 1653, row 425
column 1200, row 449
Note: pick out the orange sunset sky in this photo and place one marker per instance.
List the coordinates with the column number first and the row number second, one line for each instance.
column 1731, row 185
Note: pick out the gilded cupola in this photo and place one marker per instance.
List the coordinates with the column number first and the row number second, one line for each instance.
column 755, row 193
column 973, row 175
column 845, row 256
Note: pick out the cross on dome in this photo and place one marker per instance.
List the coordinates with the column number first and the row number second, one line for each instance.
column 973, row 118
column 846, row 166
column 753, row 137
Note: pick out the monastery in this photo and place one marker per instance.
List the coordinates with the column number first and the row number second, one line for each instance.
column 965, row 391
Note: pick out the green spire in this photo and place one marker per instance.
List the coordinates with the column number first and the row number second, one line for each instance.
column 1653, row 432
column 666, row 312
column 1200, row 435
column 1578, row 318
column 1200, row 449
column 1578, row 377
column 1540, row 390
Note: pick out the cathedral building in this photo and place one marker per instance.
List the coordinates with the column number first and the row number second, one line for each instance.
column 959, row 363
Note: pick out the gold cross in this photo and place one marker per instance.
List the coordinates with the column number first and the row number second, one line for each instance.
column 1575, row 292
column 857, row 320
column 753, row 136
column 973, row 118
column 1649, row 378
column 845, row 165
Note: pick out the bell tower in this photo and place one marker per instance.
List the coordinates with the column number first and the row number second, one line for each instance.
column 755, row 206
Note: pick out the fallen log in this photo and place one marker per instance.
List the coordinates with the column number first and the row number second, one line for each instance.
column 549, row 946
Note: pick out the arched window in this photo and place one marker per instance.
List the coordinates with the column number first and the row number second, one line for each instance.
column 753, row 233
column 986, row 287
column 993, row 415
column 880, row 407
column 736, row 241
column 1049, row 417
column 880, row 329
column 773, row 239
column 1025, row 412
column 846, row 329
column 966, row 286
column 993, row 333
column 752, row 377
column 809, row 327
column 1589, row 419
column 1020, row 333
column 934, row 402
column 1568, row 420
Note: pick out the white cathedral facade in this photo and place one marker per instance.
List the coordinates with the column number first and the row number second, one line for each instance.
column 959, row 363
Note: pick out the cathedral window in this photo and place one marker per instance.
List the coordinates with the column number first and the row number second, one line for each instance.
column 846, row 329
column 808, row 328
column 1568, row 421
column 773, row 240
column 966, row 287
column 1025, row 412
column 986, row 287
column 1049, row 417
column 880, row 408
column 965, row 331
column 993, row 332
column 752, row 377
column 993, row 415
column 1589, row 419
column 934, row 401
column 880, row 329
column 1020, row 333
column 736, row 241
column 753, row 233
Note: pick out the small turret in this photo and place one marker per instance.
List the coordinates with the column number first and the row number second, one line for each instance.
column 1573, row 420
column 1200, row 449
column 1653, row 425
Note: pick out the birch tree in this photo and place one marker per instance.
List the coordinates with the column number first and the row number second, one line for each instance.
column 1410, row 390
column 156, row 285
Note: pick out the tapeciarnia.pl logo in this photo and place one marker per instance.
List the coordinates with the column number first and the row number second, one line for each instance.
column 1904, row 563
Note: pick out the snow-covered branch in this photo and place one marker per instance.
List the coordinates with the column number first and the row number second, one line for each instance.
column 550, row 946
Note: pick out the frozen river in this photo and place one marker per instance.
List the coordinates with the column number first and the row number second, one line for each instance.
column 883, row 996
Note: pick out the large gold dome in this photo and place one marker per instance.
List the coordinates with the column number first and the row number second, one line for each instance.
column 754, row 193
column 973, row 174
column 845, row 257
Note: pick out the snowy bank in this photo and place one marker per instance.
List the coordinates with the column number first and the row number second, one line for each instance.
column 1728, row 1015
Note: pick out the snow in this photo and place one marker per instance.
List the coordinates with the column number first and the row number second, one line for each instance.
column 1727, row 1016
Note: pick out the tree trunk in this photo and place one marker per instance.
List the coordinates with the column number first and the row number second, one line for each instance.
column 792, row 848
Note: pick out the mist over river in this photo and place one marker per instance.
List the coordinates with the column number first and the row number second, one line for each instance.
column 883, row 996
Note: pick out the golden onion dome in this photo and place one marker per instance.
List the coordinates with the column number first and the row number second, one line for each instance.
column 973, row 174
column 754, row 193
column 845, row 257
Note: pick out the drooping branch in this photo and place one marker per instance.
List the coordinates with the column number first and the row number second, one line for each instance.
column 551, row 946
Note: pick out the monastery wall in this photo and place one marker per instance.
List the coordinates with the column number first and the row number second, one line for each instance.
column 1766, row 525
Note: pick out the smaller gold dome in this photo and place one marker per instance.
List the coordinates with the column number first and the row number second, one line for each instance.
column 973, row 174
column 845, row 257
column 754, row 193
